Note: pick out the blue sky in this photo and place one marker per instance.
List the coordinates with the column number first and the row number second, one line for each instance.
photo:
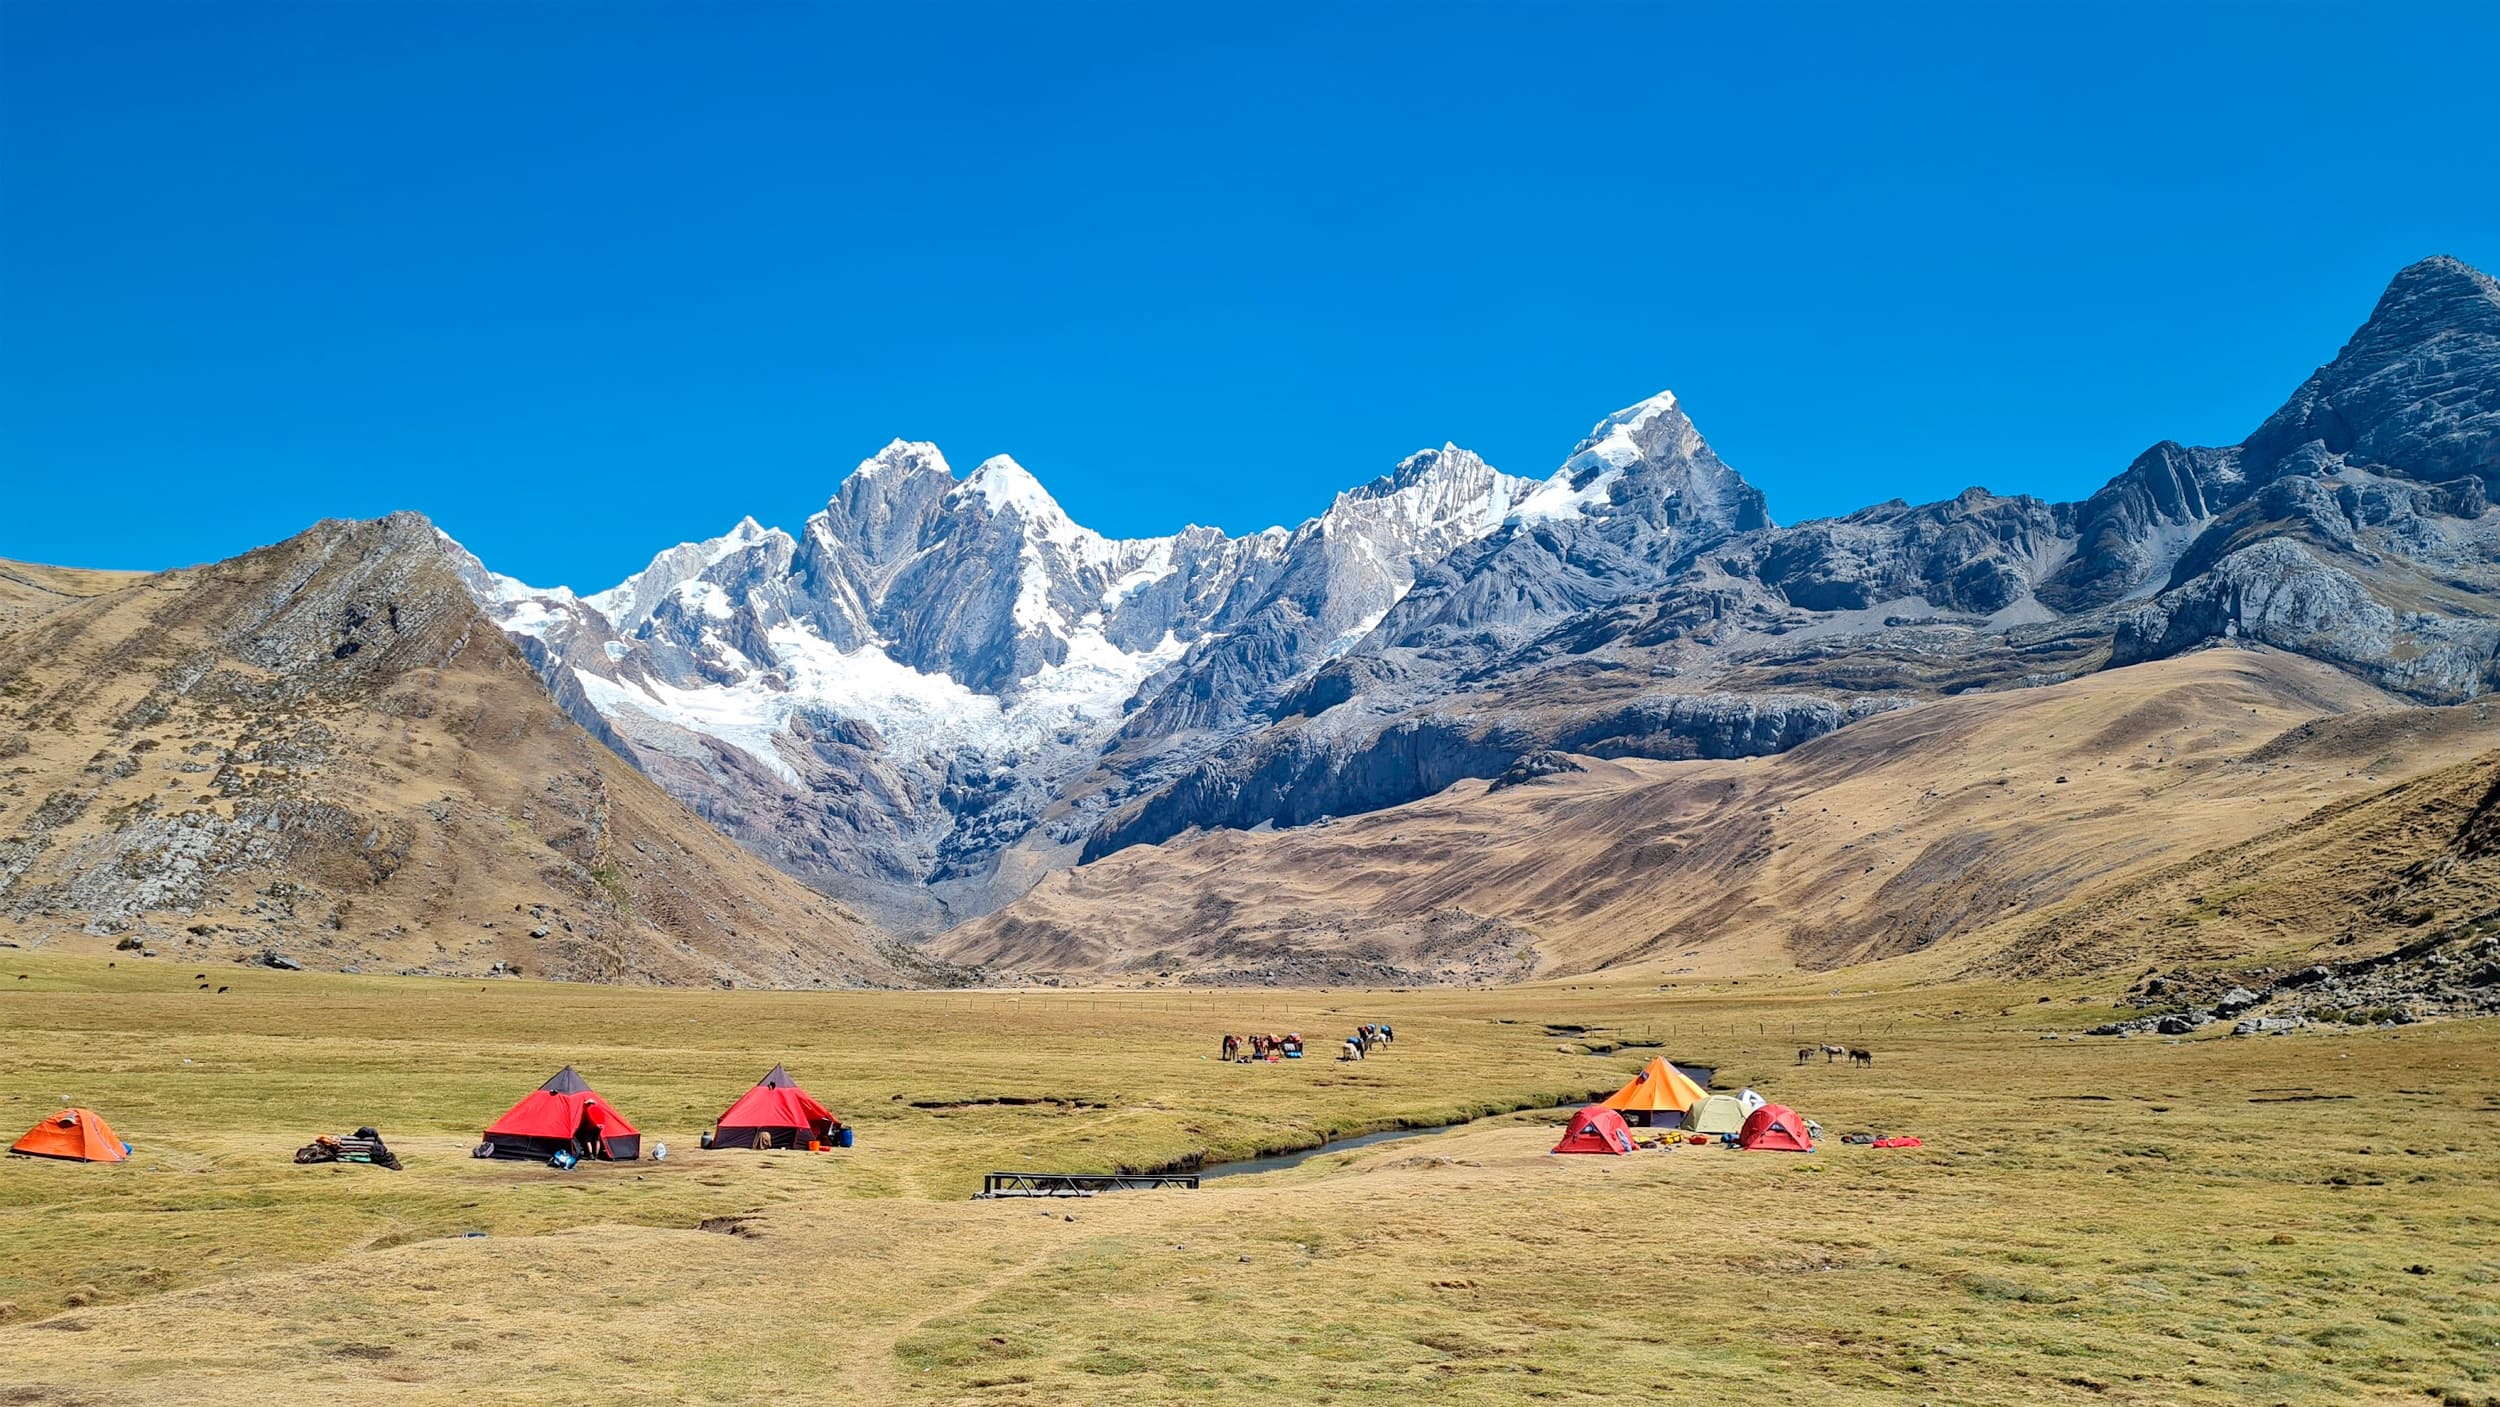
column 582, row 281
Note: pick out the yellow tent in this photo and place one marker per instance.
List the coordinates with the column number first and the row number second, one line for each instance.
column 1657, row 1096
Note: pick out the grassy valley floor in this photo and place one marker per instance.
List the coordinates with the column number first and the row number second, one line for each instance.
column 2310, row 1218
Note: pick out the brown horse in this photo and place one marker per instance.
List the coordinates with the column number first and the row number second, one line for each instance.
column 1862, row 1057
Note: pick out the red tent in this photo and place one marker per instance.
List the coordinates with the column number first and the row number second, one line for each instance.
column 77, row 1135
column 1775, row 1127
column 565, row 1112
column 779, row 1108
column 1596, row 1129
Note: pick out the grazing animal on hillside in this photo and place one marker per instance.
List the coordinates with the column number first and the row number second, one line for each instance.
column 221, row 991
column 203, row 986
column 1862, row 1057
column 1833, row 1052
column 1805, row 1054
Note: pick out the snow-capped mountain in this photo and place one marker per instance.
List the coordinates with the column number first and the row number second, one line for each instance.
column 941, row 687
column 900, row 691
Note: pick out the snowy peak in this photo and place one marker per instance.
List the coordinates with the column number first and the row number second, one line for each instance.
column 884, row 507
column 902, row 458
column 1008, row 487
column 1002, row 488
column 1448, row 472
column 1434, row 500
column 1651, row 431
column 1648, row 462
column 630, row 602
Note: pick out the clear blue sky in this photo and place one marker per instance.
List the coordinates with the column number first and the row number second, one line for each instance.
column 582, row 280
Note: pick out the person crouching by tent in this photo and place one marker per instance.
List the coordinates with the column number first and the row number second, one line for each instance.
column 590, row 1138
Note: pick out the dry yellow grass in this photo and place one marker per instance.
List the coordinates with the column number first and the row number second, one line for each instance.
column 2302, row 1219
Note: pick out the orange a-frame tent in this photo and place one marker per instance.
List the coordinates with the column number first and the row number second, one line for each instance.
column 1657, row 1096
column 79, row 1135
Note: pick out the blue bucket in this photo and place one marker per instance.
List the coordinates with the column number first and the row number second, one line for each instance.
column 842, row 1136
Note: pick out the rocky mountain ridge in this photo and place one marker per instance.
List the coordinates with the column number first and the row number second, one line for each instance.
column 321, row 753
column 941, row 689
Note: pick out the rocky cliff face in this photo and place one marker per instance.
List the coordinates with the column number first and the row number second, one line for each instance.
column 941, row 688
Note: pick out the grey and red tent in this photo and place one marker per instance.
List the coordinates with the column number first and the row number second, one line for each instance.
column 778, row 1107
column 565, row 1112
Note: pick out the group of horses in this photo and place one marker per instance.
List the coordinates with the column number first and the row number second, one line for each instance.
column 1247, row 1048
column 1831, row 1053
column 1365, row 1039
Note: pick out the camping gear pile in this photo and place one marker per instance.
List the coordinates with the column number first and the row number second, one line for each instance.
column 1664, row 1097
column 363, row 1146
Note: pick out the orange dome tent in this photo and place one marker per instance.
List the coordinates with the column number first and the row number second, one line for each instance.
column 1657, row 1097
column 79, row 1135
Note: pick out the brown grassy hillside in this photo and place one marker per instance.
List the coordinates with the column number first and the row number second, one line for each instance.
column 321, row 748
column 1897, row 835
column 2354, row 880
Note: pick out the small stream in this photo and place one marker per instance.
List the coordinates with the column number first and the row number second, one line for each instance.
column 1278, row 1162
